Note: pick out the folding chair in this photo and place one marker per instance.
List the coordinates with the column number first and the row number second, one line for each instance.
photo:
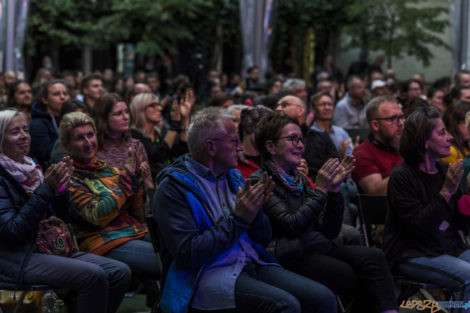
column 372, row 209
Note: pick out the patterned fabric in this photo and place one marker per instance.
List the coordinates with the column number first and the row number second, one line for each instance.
column 27, row 174
column 109, row 205
column 292, row 183
column 116, row 154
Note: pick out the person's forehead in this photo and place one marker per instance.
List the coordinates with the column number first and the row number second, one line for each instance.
column 389, row 107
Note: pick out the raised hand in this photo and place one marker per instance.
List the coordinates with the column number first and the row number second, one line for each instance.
column 346, row 167
column 453, row 176
column 343, row 146
column 327, row 174
column 250, row 199
column 130, row 165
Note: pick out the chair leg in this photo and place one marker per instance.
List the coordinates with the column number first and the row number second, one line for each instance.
column 340, row 304
column 20, row 302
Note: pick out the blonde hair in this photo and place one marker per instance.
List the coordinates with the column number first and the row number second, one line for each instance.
column 69, row 122
column 138, row 106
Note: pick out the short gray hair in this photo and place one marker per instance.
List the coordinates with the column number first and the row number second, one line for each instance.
column 204, row 124
column 291, row 82
column 5, row 119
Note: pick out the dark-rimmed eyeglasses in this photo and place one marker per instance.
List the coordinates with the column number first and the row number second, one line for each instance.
column 234, row 141
column 294, row 140
column 392, row 119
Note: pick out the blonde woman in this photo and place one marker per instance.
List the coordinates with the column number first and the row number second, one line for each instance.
column 163, row 141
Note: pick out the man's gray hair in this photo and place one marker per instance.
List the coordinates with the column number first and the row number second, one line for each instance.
column 291, row 82
column 206, row 124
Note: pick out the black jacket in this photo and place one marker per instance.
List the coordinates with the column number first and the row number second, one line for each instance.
column 313, row 217
column 20, row 215
column 413, row 227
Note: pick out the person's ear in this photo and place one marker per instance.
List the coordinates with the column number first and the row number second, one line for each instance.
column 374, row 125
column 211, row 147
column 44, row 100
column 269, row 145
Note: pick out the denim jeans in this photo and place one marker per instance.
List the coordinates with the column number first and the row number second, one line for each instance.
column 450, row 272
column 272, row 289
column 139, row 255
column 100, row 283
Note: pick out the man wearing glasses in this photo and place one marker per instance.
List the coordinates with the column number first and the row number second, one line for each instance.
column 378, row 154
column 213, row 229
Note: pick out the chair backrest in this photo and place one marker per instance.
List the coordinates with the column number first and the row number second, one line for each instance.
column 372, row 209
column 153, row 231
column 363, row 133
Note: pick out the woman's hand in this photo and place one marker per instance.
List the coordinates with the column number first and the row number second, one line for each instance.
column 327, row 174
column 453, row 176
column 129, row 167
column 175, row 114
column 58, row 175
column 346, row 167
column 303, row 167
column 145, row 172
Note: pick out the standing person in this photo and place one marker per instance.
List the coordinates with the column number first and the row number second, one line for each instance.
column 213, row 228
column 112, row 118
column 46, row 119
column 20, row 96
column 25, row 198
column 305, row 220
column 350, row 111
column 163, row 141
column 92, row 89
column 422, row 239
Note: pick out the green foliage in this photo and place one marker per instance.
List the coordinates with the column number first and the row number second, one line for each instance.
column 396, row 27
column 154, row 25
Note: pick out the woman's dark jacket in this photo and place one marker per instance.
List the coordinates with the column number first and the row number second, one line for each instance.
column 313, row 216
column 20, row 215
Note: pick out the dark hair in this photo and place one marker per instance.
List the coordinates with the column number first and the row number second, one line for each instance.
column 452, row 117
column 72, row 105
column 316, row 97
column 432, row 91
column 271, row 83
column 406, row 85
column 86, row 80
column 251, row 68
column 457, row 76
column 219, row 99
column 101, row 110
column 251, row 116
column 44, row 91
column 269, row 128
column 410, row 104
column 152, row 75
column 418, row 128
column 12, row 89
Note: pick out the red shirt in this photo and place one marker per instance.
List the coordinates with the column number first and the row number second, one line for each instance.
column 372, row 160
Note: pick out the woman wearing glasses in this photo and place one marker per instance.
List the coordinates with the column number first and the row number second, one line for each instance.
column 163, row 141
column 304, row 220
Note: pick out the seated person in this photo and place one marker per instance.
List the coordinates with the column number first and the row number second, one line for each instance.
column 112, row 118
column 25, row 259
column 108, row 205
column 162, row 141
column 304, row 220
column 422, row 239
column 212, row 229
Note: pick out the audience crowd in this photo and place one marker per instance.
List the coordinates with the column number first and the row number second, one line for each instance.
column 238, row 195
